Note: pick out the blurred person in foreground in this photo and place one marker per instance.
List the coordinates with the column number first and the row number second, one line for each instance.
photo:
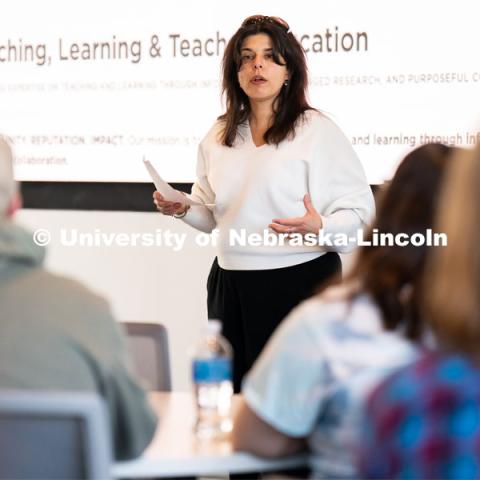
column 308, row 386
column 57, row 335
column 424, row 421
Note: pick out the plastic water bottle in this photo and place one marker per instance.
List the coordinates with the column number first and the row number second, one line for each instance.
column 212, row 378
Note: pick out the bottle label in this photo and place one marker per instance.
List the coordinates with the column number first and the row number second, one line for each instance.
column 212, row 370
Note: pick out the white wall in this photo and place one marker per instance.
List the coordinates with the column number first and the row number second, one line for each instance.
column 153, row 284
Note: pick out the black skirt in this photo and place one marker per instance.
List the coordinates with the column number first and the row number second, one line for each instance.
column 252, row 303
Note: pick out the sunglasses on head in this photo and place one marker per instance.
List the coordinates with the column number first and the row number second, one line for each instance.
column 260, row 19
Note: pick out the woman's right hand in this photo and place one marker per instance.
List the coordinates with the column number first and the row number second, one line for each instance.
column 168, row 208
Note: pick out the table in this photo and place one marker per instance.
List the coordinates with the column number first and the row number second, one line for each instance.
column 175, row 452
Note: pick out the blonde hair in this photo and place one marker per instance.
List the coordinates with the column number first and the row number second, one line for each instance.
column 8, row 185
column 452, row 279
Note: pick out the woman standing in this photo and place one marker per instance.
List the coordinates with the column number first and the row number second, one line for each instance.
column 272, row 165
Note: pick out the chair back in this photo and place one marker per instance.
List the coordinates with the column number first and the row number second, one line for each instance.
column 148, row 345
column 53, row 435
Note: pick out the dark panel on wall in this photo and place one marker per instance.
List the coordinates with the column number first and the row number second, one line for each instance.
column 135, row 197
column 127, row 197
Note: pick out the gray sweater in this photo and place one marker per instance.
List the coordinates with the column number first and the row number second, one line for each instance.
column 57, row 335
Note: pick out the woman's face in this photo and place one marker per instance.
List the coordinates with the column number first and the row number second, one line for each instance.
column 259, row 76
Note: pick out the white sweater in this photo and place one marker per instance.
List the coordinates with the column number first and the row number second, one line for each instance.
column 252, row 185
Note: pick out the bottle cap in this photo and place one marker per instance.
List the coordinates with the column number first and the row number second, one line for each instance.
column 214, row 326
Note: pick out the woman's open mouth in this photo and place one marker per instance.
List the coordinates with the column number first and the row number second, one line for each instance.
column 258, row 80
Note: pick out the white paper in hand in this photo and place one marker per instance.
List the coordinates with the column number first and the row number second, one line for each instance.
column 169, row 193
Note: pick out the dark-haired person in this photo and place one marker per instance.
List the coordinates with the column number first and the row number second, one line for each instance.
column 424, row 421
column 310, row 382
column 270, row 160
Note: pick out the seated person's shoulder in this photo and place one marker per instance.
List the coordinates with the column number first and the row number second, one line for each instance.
column 333, row 304
column 339, row 314
column 63, row 299
column 70, row 290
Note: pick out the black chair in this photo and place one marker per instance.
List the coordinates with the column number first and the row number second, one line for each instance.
column 53, row 435
column 148, row 345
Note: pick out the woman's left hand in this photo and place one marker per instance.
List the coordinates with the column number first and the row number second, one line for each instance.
column 311, row 222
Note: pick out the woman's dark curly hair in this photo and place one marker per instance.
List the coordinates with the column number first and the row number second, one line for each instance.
column 291, row 103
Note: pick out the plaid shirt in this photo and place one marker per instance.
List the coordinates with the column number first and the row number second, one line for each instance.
column 424, row 422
